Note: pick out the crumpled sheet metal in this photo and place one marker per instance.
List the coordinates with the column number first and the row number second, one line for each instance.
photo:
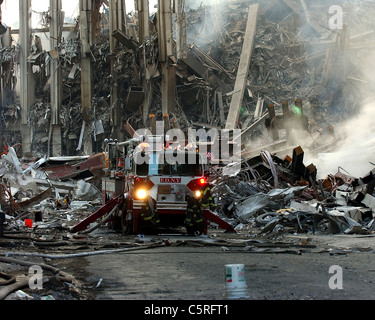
column 251, row 206
column 12, row 159
column 256, row 203
column 86, row 191
column 340, row 222
column 332, row 221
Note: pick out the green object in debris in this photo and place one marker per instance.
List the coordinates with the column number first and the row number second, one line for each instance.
column 297, row 110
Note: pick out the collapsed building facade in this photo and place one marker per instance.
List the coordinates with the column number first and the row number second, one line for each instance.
column 115, row 67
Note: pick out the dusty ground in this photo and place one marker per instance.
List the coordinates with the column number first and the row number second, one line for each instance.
column 194, row 274
column 179, row 267
column 197, row 272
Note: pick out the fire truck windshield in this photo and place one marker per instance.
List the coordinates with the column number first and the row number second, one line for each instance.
column 156, row 164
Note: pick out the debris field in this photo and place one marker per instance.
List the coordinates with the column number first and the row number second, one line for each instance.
column 304, row 81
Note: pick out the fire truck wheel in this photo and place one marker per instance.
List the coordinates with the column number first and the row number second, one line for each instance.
column 116, row 225
column 2, row 220
column 126, row 223
column 196, row 229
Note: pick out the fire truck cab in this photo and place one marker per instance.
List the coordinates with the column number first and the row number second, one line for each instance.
column 162, row 186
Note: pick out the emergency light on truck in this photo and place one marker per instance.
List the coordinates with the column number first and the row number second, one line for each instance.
column 141, row 194
column 198, row 194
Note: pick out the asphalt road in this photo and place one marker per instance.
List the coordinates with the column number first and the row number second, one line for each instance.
column 184, row 277
column 197, row 272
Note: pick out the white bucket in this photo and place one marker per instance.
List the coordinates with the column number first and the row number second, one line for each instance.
column 235, row 282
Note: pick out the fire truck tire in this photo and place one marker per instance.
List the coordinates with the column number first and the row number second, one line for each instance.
column 126, row 225
column 116, row 225
column 196, row 229
column 2, row 221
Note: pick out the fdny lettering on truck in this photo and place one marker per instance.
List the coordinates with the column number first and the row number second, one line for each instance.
column 170, row 180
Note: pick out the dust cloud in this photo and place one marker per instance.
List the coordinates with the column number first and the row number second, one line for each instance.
column 356, row 152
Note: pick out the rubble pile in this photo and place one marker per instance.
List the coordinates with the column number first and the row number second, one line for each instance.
column 278, row 67
column 305, row 78
column 296, row 55
column 10, row 111
column 102, row 80
column 68, row 55
column 24, row 186
column 283, row 196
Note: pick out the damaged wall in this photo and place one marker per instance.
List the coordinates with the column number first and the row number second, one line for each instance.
column 296, row 55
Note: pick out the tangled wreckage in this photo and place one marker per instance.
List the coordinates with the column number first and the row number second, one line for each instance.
column 272, row 71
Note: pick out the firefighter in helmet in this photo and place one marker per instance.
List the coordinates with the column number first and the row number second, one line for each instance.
column 194, row 213
column 148, row 213
column 207, row 200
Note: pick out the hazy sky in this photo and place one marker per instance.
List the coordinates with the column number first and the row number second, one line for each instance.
column 10, row 9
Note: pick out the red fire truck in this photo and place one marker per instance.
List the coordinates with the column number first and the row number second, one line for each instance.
column 150, row 184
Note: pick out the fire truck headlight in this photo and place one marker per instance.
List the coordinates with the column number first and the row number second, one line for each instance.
column 198, row 194
column 141, row 194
